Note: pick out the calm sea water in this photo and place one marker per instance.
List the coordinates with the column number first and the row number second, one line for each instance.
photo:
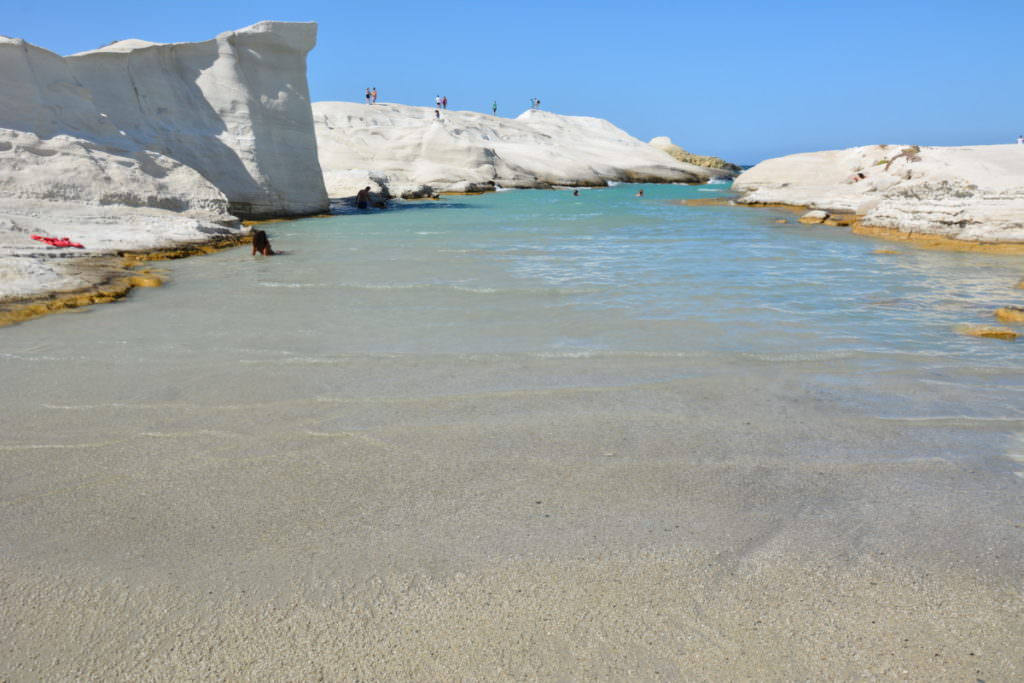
column 543, row 271
column 604, row 275
column 547, row 271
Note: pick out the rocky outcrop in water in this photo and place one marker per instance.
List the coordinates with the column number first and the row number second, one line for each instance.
column 411, row 151
column 666, row 145
column 971, row 194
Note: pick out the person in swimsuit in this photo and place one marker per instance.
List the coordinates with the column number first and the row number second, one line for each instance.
column 260, row 243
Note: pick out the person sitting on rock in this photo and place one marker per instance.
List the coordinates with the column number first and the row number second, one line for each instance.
column 363, row 198
column 260, row 243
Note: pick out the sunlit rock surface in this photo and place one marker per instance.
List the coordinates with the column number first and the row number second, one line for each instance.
column 413, row 151
column 141, row 146
column 665, row 144
column 965, row 193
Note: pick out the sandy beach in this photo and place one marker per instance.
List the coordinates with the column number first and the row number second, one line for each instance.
column 519, row 518
column 614, row 434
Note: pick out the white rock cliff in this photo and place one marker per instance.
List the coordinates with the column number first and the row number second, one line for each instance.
column 235, row 108
column 141, row 146
column 411, row 152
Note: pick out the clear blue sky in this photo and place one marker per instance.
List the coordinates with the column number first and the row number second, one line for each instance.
column 737, row 79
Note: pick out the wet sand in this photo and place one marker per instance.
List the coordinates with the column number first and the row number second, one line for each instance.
column 651, row 517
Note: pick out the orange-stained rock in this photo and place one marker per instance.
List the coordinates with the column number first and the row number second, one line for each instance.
column 1010, row 314
column 989, row 332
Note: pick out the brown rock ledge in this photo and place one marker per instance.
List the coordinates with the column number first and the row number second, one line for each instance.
column 920, row 240
column 112, row 278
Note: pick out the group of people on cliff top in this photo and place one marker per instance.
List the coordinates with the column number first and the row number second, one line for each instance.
column 441, row 102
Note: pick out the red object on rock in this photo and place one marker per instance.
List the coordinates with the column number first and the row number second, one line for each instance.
column 58, row 241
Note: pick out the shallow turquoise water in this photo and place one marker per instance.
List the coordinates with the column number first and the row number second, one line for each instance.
column 604, row 275
column 523, row 379
column 546, row 271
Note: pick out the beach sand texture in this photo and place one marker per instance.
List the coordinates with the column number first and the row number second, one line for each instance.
column 494, row 518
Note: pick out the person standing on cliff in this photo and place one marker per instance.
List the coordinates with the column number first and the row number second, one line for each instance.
column 437, row 102
column 1020, row 139
column 374, row 94
column 368, row 96
column 494, row 108
column 444, row 102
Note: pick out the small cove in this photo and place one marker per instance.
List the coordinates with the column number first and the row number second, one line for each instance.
column 421, row 413
column 544, row 272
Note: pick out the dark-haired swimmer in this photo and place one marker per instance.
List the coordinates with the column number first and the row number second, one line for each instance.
column 260, row 243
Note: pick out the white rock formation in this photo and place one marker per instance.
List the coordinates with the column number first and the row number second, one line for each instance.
column 235, row 108
column 410, row 152
column 965, row 193
column 142, row 146
column 665, row 144
column 104, row 198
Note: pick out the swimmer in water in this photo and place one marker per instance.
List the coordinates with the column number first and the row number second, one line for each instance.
column 260, row 243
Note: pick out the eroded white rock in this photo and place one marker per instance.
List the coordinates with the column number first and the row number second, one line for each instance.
column 965, row 193
column 413, row 152
column 236, row 108
column 139, row 146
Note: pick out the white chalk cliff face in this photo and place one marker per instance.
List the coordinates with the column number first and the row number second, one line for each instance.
column 142, row 146
column 235, row 108
column 965, row 193
column 411, row 153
